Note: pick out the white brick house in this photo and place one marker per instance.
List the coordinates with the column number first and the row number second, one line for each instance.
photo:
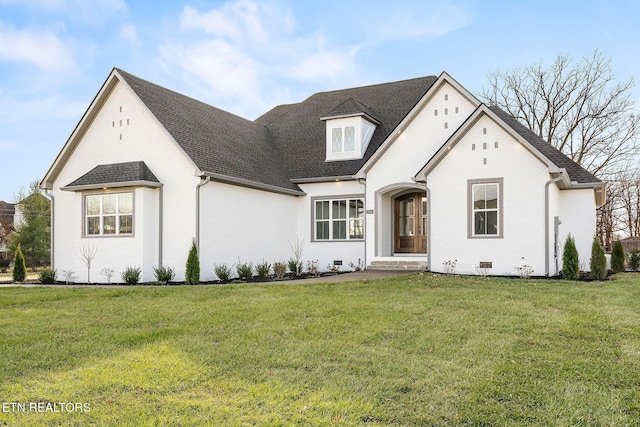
column 416, row 170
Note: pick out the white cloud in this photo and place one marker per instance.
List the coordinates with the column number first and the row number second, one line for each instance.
column 243, row 50
column 85, row 11
column 129, row 34
column 223, row 68
column 37, row 47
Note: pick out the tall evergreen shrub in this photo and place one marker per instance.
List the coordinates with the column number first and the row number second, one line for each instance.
column 617, row 257
column 19, row 266
column 598, row 262
column 192, row 275
column 570, row 260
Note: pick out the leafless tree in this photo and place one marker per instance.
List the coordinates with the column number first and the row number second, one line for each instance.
column 579, row 107
column 87, row 254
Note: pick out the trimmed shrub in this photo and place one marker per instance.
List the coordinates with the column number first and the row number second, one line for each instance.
column 617, row 257
column 47, row 276
column 634, row 260
column 131, row 275
column 279, row 269
column 19, row 266
column 295, row 266
column 598, row 262
column 263, row 269
column 244, row 270
column 570, row 260
column 164, row 274
column 192, row 275
column 222, row 271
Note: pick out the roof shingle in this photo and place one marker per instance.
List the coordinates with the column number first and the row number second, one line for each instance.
column 116, row 173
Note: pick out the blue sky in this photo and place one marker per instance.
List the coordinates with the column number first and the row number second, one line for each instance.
column 247, row 56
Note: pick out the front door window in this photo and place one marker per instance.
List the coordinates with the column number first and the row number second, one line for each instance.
column 411, row 223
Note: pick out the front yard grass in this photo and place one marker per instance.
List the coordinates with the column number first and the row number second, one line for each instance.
column 408, row 350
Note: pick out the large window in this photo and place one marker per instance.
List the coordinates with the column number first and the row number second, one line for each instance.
column 339, row 219
column 109, row 214
column 485, row 208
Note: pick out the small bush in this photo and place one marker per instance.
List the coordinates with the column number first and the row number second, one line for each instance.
column 222, row 271
column 47, row 276
column 192, row 274
column 295, row 266
column 279, row 269
column 244, row 270
column 263, row 269
column 131, row 275
column 617, row 257
column 570, row 260
column 525, row 271
column 19, row 266
column 634, row 260
column 598, row 262
column 69, row 276
column 108, row 273
column 164, row 274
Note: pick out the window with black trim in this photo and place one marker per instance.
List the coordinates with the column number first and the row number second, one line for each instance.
column 339, row 219
column 109, row 214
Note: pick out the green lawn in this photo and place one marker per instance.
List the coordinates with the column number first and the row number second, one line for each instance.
column 409, row 350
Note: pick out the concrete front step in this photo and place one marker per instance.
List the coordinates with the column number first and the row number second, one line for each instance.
column 398, row 265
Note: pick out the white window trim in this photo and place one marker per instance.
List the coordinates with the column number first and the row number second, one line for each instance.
column 363, row 131
column 330, row 199
column 85, row 216
column 470, row 210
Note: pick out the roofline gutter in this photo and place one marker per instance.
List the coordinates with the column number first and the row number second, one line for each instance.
column 546, row 220
column 251, row 184
column 326, row 179
column 141, row 183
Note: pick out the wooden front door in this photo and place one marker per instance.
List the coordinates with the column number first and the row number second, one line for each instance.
column 410, row 212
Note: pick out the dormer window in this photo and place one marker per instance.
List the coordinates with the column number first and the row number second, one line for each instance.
column 349, row 128
column 343, row 139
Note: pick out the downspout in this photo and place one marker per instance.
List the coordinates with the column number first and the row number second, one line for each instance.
column 546, row 222
column 53, row 217
column 363, row 182
column 160, row 224
column 203, row 181
column 428, row 191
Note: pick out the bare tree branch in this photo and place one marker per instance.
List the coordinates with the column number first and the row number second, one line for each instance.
column 579, row 107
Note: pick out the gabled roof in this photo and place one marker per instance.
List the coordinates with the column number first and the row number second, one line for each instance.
column 576, row 172
column 115, row 175
column 545, row 152
column 286, row 145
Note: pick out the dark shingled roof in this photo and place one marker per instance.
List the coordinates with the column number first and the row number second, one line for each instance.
column 215, row 140
column 300, row 134
column 350, row 107
column 576, row 172
column 288, row 142
column 115, row 173
column 285, row 143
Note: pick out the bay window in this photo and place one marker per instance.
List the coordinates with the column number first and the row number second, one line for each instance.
column 109, row 214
